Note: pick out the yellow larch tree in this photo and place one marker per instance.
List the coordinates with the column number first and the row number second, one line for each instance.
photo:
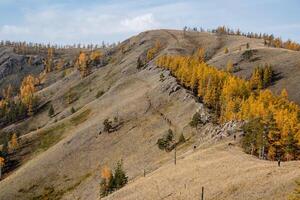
column 237, row 99
column 13, row 143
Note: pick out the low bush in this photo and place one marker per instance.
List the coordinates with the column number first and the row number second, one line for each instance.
column 167, row 141
column 99, row 94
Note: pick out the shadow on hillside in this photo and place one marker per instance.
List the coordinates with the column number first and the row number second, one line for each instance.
column 276, row 77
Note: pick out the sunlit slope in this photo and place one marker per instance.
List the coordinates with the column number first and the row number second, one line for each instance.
column 67, row 163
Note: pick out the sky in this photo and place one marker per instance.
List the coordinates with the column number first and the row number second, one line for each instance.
column 94, row 21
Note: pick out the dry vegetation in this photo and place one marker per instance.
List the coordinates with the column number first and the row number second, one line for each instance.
column 72, row 152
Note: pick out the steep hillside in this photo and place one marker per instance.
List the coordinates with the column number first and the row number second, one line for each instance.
column 60, row 157
column 14, row 67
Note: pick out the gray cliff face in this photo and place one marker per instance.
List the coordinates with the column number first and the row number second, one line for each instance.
column 14, row 67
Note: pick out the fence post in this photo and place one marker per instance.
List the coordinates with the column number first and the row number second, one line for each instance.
column 175, row 155
column 202, row 193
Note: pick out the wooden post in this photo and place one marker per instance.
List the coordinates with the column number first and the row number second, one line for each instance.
column 175, row 155
column 144, row 173
column 202, row 193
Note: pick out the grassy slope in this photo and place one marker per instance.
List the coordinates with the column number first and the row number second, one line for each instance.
column 146, row 108
column 224, row 171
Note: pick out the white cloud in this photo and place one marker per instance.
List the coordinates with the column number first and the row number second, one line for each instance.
column 15, row 30
column 140, row 23
column 92, row 24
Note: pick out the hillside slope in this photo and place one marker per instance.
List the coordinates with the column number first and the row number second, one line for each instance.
column 224, row 172
column 61, row 157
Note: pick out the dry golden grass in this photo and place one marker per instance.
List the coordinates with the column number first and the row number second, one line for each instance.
column 148, row 108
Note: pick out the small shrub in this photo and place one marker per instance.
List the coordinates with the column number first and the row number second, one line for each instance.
column 116, row 119
column 99, row 94
column 51, row 111
column 120, row 178
column 71, row 97
column 247, row 54
column 166, row 142
column 196, row 120
column 140, row 63
column 107, row 125
column 226, row 50
column 181, row 139
column 161, row 77
column 73, row 110
column 64, row 74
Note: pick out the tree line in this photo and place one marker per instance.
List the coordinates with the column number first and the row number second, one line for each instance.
column 232, row 98
column 24, row 104
column 269, row 39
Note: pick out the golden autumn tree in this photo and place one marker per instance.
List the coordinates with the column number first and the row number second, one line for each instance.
column 226, row 50
column 48, row 62
column 7, row 92
column 83, row 65
column 233, row 98
column 60, row 64
column 153, row 51
column 256, row 79
column 13, row 143
column 229, row 67
column 27, row 91
column 200, row 55
column 106, row 177
column 96, row 56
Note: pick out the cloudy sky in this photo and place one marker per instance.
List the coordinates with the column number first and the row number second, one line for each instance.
column 92, row 21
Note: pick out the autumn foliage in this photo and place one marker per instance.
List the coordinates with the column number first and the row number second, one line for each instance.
column 13, row 144
column 85, row 61
column 233, row 98
column 153, row 51
column 48, row 62
column 111, row 182
column 27, row 91
column 269, row 39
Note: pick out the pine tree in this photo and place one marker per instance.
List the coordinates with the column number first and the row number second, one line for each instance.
column 2, row 160
column 140, row 63
column 73, row 110
column 267, row 76
column 181, row 139
column 51, row 111
column 292, row 147
column 196, row 120
column 120, row 178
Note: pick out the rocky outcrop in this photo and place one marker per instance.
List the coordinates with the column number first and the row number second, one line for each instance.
column 14, row 67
